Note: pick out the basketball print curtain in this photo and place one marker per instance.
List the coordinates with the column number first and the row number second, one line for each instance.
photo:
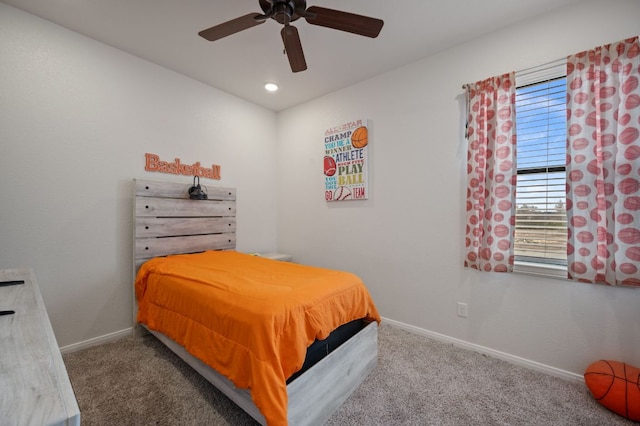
column 603, row 164
column 491, row 174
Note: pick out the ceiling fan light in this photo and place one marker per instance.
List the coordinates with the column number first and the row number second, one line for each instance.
column 271, row 87
column 287, row 11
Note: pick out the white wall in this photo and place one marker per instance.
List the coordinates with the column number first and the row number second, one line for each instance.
column 406, row 241
column 76, row 118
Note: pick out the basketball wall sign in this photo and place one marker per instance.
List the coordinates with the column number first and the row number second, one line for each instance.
column 176, row 167
column 345, row 161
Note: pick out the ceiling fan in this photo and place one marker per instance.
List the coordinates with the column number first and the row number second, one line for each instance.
column 285, row 12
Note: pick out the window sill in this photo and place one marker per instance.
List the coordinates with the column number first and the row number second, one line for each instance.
column 541, row 270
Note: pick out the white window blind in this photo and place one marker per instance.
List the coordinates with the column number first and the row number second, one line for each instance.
column 541, row 221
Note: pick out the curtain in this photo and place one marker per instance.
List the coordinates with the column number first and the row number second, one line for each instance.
column 491, row 174
column 603, row 164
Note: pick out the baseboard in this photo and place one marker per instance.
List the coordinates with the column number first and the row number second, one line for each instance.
column 563, row 374
column 106, row 338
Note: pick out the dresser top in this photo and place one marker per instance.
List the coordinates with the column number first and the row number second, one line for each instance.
column 34, row 385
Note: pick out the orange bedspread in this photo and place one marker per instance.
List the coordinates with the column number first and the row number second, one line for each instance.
column 248, row 317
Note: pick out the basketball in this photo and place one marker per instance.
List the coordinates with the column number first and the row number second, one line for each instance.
column 615, row 385
column 329, row 166
column 359, row 138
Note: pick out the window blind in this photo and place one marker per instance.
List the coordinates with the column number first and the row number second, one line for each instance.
column 541, row 224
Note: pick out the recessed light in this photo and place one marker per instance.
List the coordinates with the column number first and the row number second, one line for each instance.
column 271, row 87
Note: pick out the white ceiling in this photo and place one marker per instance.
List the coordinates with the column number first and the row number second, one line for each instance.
column 165, row 32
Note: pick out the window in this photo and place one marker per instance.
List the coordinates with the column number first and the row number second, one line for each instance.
column 575, row 184
column 541, row 221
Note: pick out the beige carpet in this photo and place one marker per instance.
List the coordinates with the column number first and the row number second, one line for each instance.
column 418, row 381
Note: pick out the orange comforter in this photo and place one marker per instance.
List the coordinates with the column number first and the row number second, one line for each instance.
column 249, row 318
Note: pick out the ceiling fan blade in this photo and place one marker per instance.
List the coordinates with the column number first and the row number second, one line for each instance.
column 293, row 48
column 344, row 21
column 231, row 27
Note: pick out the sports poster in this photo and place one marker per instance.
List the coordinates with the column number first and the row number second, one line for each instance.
column 345, row 162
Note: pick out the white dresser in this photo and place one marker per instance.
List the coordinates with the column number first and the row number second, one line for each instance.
column 34, row 386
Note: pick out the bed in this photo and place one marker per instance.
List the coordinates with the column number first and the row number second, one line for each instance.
column 179, row 243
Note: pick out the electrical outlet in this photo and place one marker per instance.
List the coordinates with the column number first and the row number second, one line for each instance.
column 462, row 310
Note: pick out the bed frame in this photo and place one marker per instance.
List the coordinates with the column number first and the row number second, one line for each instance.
column 167, row 222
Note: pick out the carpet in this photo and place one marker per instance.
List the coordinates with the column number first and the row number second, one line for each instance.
column 418, row 381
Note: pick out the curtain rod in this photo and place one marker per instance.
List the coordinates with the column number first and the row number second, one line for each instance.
column 531, row 70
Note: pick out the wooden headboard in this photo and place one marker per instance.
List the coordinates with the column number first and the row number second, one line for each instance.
column 167, row 222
